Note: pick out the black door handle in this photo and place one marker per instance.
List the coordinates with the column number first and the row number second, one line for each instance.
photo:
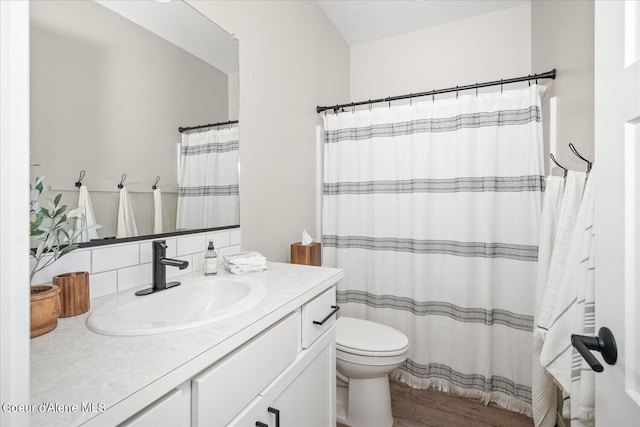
column 276, row 412
column 321, row 322
column 605, row 343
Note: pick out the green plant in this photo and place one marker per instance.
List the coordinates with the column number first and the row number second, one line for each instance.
column 51, row 227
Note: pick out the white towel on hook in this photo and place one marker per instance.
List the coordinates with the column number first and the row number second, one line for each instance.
column 569, row 208
column 157, row 211
column 126, row 226
column 543, row 388
column 88, row 220
column 574, row 312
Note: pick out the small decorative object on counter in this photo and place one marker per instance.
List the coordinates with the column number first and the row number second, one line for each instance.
column 306, row 254
column 210, row 260
column 245, row 262
column 74, row 293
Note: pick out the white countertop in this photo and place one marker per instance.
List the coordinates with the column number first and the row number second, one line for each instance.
column 73, row 366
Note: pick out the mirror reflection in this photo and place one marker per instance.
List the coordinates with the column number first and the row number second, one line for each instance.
column 111, row 83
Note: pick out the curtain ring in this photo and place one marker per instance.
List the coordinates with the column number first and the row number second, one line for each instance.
column 529, row 81
column 369, row 105
column 389, row 102
column 456, row 92
column 476, row 89
column 410, row 99
column 433, row 96
column 353, row 109
column 501, row 86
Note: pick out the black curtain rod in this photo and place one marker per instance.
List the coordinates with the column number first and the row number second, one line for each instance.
column 210, row 125
column 548, row 75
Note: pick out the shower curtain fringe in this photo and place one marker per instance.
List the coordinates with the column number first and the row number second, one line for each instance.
column 500, row 399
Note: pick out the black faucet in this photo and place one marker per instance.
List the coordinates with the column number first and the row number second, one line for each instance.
column 159, row 268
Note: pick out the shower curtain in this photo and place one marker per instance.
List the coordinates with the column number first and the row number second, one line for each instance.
column 433, row 210
column 208, row 190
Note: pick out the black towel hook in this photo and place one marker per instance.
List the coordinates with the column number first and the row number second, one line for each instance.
column 558, row 164
column 574, row 151
column 155, row 185
column 80, row 178
column 124, row 177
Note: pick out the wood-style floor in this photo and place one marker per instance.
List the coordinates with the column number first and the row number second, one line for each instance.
column 433, row 408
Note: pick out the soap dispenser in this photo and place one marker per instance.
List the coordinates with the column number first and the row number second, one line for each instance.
column 210, row 260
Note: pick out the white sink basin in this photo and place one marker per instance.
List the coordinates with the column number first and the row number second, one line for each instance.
column 196, row 302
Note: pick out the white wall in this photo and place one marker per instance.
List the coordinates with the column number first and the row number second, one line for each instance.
column 291, row 59
column 483, row 48
column 563, row 38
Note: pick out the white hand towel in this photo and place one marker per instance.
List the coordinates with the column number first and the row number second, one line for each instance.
column 126, row 226
column 574, row 313
column 543, row 388
column 88, row 216
column 246, row 258
column 157, row 211
column 566, row 225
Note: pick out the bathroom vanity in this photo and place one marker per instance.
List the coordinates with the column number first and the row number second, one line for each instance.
column 271, row 364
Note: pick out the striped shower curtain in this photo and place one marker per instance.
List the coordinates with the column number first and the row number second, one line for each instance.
column 208, row 188
column 433, row 209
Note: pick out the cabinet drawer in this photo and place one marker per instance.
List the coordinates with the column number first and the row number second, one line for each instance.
column 318, row 310
column 166, row 411
column 223, row 390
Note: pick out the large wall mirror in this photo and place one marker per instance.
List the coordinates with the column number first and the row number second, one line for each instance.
column 111, row 83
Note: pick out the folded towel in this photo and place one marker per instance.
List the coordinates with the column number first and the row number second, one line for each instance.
column 88, row 217
column 574, row 312
column 126, row 226
column 157, row 211
column 245, row 262
column 557, row 264
column 249, row 258
column 543, row 388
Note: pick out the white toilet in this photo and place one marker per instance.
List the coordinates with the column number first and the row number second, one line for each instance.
column 366, row 352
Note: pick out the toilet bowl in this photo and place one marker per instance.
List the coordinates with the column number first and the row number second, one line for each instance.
column 366, row 352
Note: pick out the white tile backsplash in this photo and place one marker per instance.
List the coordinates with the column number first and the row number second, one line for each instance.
column 113, row 257
column 78, row 260
column 101, row 284
column 132, row 277
column 220, row 239
column 124, row 266
column 235, row 238
column 191, row 244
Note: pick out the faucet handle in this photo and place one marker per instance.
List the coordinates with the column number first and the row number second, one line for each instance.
column 159, row 244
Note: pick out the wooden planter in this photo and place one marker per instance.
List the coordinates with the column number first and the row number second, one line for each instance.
column 45, row 308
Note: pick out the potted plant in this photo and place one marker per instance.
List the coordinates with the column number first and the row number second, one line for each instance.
column 53, row 234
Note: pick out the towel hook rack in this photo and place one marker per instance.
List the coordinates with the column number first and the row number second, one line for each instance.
column 124, row 177
column 155, row 185
column 558, row 164
column 80, row 178
column 574, row 151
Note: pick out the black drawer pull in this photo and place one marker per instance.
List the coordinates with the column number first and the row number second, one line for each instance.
column 260, row 424
column 276, row 412
column 334, row 311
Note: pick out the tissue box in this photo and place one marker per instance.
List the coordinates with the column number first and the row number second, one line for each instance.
column 306, row 255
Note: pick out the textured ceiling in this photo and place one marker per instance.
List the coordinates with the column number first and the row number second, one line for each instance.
column 361, row 21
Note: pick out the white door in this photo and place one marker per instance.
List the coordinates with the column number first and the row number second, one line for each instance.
column 617, row 223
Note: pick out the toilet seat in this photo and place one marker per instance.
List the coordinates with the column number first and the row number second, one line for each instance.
column 365, row 338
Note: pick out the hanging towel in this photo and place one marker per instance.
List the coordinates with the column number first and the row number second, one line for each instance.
column 88, row 216
column 574, row 313
column 126, row 226
column 566, row 225
column 543, row 388
column 157, row 211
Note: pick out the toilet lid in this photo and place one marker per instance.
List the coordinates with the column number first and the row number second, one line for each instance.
column 368, row 338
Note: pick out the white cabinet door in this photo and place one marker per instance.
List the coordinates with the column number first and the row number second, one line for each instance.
column 306, row 401
column 304, row 395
